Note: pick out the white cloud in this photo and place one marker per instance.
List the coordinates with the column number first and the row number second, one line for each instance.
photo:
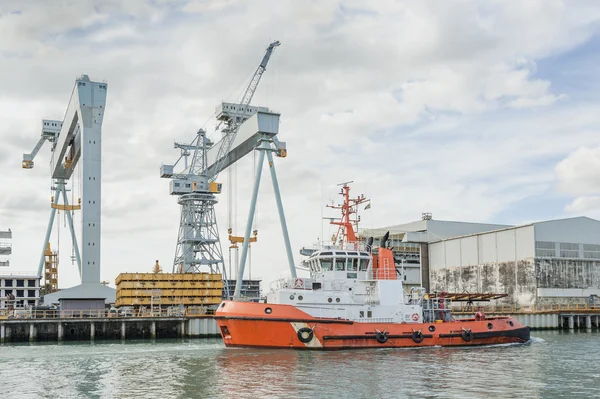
column 427, row 106
column 579, row 173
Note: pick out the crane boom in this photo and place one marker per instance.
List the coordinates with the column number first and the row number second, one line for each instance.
column 50, row 130
column 235, row 122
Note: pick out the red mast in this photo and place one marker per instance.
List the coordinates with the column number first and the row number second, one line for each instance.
column 347, row 222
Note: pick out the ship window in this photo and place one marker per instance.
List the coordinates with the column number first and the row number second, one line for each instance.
column 327, row 253
column 351, row 275
column 315, row 264
column 340, row 265
column 361, row 314
column 364, row 264
column 352, row 253
column 326, row 264
column 352, row 264
column 369, row 314
column 364, row 254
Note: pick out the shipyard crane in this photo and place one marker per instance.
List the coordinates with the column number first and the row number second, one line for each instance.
column 76, row 140
column 198, row 244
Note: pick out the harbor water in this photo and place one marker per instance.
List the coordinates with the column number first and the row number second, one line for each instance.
column 554, row 364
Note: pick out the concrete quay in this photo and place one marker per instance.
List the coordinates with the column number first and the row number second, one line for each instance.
column 94, row 328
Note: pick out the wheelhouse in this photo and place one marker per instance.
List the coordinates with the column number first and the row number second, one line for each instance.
column 339, row 262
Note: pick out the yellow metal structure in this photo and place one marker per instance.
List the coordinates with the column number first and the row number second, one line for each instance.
column 50, row 270
column 215, row 187
column 234, row 240
column 168, row 289
column 66, row 207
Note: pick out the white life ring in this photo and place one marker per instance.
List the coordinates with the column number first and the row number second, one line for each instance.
column 298, row 283
column 415, row 317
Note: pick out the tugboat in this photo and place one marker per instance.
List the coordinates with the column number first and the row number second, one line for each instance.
column 355, row 299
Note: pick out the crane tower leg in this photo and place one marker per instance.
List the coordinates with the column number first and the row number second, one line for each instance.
column 240, row 277
column 48, row 232
column 72, row 228
column 286, row 237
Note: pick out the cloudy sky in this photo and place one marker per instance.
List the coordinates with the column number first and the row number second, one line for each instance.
column 484, row 111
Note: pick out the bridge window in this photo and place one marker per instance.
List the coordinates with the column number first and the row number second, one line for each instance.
column 340, row 265
column 364, row 264
column 326, row 264
column 352, row 264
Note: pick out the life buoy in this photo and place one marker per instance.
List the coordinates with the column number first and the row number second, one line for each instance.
column 298, row 283
column 415, row 317
column 381, row 337
column 467, row 335
column 417, row 336
column 305, row 335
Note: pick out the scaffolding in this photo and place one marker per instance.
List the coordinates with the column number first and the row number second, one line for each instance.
column 50, row 270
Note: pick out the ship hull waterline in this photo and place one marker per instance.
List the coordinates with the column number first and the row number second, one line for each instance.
column 260, row 325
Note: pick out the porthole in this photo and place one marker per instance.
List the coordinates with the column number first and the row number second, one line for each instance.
column 490, row 326
column 292, row 297
column 223, row 305
column 511, row 323
column 431, row 328
column 300, row 297
column 337, row 300
column 329, row 300
column 268, row 310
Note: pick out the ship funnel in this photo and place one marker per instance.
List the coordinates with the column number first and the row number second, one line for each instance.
column 384, row 240
column 369, row 244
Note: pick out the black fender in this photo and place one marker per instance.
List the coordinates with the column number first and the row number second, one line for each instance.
column 381, row 337
column 467, row 335
column 305, row 335
column 417, row 336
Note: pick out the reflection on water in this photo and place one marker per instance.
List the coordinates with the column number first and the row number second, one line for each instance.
column 555, row 364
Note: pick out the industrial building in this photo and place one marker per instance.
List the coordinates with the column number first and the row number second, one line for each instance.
column 19, row 290
column 5, row 247
column 555, row 261
column 410, row 242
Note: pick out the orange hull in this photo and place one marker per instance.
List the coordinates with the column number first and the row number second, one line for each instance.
column 248, row 324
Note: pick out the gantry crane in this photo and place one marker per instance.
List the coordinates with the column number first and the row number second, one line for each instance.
column 244, row 126
column 76, row 140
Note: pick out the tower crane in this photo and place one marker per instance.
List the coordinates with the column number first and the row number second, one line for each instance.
column 198, row 244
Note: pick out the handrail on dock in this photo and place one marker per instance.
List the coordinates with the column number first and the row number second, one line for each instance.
column 191, row 311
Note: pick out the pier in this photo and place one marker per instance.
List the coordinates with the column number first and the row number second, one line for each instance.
column 77, row 327
column 542, row 317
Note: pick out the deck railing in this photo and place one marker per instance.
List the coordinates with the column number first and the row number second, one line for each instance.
column 104, row 313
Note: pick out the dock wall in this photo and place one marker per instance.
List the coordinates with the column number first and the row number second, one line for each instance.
column 23, row 330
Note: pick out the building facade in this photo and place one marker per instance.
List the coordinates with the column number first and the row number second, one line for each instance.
column 5, row 247
column 19, row 290
column 410, row 244
column 555, row 261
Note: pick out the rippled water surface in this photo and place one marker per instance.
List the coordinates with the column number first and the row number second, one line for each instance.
column 553, row 365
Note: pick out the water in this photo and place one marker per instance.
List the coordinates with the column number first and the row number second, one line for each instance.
column 553, row 365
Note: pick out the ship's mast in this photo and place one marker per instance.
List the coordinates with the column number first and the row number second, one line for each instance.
column 347, row 224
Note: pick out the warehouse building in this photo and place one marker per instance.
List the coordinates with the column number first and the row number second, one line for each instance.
column 555, row 261
column 409, row 243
